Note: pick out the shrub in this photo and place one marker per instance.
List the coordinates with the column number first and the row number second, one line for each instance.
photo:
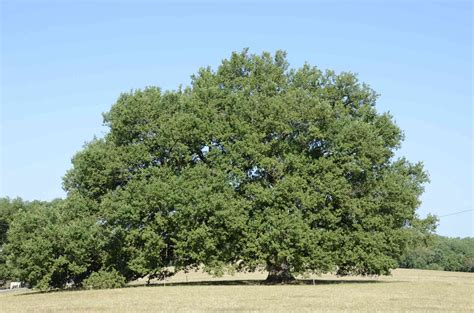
column 104, row 279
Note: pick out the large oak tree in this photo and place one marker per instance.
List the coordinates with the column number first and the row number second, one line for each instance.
column 255, row 165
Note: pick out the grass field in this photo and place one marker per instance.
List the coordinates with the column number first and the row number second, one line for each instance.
column 405, row 290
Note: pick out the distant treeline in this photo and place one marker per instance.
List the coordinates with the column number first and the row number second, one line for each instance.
column 442, row 253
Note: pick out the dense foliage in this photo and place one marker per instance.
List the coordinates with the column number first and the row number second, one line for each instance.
column 253, row 166
column 9, row 208
column 51, row 244
column 442, row 253
column 104, row 280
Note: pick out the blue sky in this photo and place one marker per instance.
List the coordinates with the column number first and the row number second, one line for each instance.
column 63, row 63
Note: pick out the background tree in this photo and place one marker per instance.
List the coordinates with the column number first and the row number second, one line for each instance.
column 441, row 253
column 8, row 209
column 254, row 165
column 52, row 244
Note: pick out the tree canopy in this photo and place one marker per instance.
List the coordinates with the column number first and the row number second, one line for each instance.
column 442, row 253
column 253, row 166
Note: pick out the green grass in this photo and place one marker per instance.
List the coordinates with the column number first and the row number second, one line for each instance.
column 405, row 290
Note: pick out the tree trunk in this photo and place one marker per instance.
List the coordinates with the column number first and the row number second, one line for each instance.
column 279, row 274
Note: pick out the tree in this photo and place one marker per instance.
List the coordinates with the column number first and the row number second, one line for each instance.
column 54, row 243
column 441, row 253
column 253, row 165
column 8, row 209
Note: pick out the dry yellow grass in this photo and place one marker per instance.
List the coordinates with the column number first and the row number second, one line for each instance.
column 405, row 290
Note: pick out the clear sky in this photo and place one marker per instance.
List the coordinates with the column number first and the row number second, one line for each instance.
column 63, row 63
